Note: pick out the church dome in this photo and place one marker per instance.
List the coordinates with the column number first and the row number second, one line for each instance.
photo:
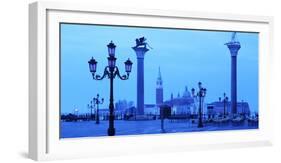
column 186, row 93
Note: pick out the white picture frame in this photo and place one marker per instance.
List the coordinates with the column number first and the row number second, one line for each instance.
column 44, row 142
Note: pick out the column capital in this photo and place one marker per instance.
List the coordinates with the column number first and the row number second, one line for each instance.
column 233, row 48
column 140, row 51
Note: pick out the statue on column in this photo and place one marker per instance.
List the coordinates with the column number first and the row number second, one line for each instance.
column 140, row 42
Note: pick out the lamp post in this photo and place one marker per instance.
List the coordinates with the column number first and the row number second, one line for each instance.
column 201, row 94
column 225, row 100
column 97, row 102
column 90, row 106
column 242, row 108
column 110, row 71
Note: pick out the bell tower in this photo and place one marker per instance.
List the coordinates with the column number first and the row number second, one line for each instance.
column 159, row 89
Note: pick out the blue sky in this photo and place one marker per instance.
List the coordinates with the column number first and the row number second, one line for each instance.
column 184, row 56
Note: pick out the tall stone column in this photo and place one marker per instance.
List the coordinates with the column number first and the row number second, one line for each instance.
column 233, row 47
column 140, row 52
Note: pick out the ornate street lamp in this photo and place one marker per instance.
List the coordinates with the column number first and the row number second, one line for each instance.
column 97, row 102
column 90, row 106
column 225, row 100
column 201, row 94
column 110, row 71
column 111, row 49
column 93, row 65
column 128, row 66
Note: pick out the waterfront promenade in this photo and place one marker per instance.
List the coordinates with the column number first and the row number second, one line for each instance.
column 90, row 129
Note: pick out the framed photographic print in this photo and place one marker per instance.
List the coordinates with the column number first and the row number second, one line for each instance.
column 140, row 80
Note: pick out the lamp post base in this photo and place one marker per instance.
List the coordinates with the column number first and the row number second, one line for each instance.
column 111, row 131
column 98, row 120
column 200, row 125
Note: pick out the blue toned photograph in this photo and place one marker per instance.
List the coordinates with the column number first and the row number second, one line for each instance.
column 124, row 80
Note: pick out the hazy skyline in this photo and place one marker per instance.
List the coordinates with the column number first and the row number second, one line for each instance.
column 185, row 57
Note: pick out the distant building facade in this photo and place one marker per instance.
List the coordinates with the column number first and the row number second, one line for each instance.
column 217, row 108
column 184, row 104
column 151, row 109
column 122, row 105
